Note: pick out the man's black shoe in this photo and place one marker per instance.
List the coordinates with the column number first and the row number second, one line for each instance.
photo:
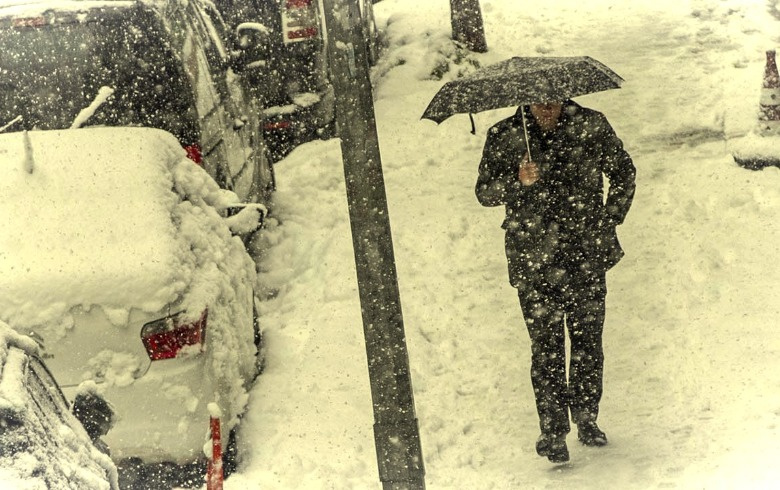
column 554, row 447
column 589, row 434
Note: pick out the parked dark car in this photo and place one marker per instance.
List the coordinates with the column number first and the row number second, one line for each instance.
column 284, row 46
column 43, row 444
column 162, row 64
column 283, row 42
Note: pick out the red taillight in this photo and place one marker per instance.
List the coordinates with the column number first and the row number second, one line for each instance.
column 306, row 33
column 297, row 4
column 272, row 126
column 194, row 153
column 164, row 338
column 29, row 22
column 300, row 21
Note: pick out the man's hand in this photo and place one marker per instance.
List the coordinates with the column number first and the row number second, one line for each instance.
column 529, row 171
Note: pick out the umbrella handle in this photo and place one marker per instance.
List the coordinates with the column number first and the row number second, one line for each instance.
column 525, row 133
column 473, row 126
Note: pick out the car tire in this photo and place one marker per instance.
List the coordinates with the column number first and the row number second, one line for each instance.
column 134, row 474
column 230, row 456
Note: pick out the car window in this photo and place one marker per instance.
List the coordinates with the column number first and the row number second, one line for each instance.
column 51, row 69
column 209, row 27
column 217, row 33
column 198, row 70
column 44, row 390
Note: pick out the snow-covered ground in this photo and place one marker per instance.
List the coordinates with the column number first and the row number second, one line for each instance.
column 692, row 381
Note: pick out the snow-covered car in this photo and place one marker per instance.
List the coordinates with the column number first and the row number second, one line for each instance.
column 153, row 63
column 42, row 444
column 126, row 258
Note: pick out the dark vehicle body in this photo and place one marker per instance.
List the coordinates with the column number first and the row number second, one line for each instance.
column 166, row 63
column 41, row 441
column 283, row 42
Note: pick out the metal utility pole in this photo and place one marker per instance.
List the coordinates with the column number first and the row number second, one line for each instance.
column 396, row 432
column 467, row 25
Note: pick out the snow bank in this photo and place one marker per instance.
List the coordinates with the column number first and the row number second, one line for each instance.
column 756, row 150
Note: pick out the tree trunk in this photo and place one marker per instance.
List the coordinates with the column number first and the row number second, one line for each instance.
column 467, row 26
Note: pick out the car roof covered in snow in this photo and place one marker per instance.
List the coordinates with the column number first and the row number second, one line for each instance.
column 88, row 220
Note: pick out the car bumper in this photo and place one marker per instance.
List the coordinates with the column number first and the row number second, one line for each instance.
column 301, row 118
column 162, row 416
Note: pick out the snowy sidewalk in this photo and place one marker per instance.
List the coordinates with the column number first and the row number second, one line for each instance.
column 692, row 389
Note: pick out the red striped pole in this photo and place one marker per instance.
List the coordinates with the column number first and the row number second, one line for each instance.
column 214, row 476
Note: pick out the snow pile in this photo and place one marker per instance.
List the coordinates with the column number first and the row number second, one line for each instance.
column 223, row 279
column 756, row 148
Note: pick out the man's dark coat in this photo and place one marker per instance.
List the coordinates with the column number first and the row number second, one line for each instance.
column 559, row 225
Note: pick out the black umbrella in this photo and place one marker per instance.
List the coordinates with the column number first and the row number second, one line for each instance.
column 521, row 81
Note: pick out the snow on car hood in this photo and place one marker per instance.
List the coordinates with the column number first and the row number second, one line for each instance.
column 87, row 221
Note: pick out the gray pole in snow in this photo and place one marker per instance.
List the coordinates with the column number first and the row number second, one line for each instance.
column 467, row 25
column 396, row 432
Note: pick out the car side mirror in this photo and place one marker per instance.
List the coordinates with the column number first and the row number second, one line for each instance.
column 245, row 218
column 94, row 413
column 253, row 40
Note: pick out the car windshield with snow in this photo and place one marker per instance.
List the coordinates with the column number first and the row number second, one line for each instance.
column 159, row 63
column 128, row 267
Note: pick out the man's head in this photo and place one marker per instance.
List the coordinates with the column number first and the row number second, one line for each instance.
column 547, row 114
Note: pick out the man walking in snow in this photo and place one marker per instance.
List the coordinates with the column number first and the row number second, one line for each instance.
column 560, row 241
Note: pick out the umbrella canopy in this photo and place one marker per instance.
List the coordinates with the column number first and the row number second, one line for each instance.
column 521, row 81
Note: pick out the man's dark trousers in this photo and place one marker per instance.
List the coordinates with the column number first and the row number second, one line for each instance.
column 577, row 304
